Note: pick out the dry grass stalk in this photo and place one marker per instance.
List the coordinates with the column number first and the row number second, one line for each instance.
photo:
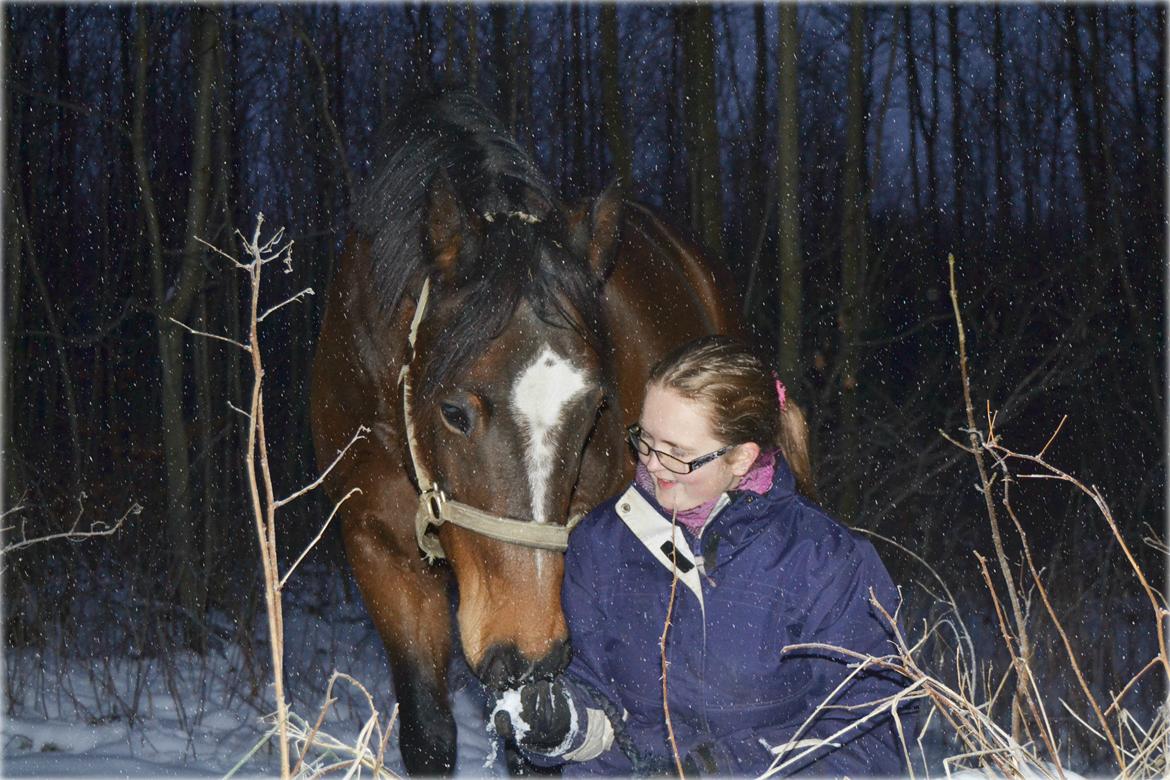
column 260, row 254
column 366, row 752
column 1138, row 751
column 1025, row 652
column 1149, row 745
column 662, row 645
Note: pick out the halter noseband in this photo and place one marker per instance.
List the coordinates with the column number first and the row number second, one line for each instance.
column 435, row 508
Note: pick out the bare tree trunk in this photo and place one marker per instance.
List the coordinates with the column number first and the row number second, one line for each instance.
column 930, row 134
column 564, row 15
column 1003, row 203
column 175, row 301
column 522, row 80
column 174, row 434
column 1086, row 154
column 699, row 108
column 58, row 337
column 958, row 144
column 12, row 350
column 576, row 93
column 472, row 19
column 853, row 252
column 615, row 131
column 1118, row 258
column 205, row 407
column 502, row 63
column 791, row 258
column 758, row 205
column 450, row 71
column 420, row 16
column 676, row 187
column 336, row 114
column 64, row 127
column 595, row 110
column 915, row 96
column 236, row 328
column 1030, row 129
column 1157, row 125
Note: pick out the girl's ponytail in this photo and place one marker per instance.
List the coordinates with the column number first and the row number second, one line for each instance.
column 792, row 438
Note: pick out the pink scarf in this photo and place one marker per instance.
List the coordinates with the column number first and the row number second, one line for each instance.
column 757, row 480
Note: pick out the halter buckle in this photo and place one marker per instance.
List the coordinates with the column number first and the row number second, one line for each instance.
column 434, row 499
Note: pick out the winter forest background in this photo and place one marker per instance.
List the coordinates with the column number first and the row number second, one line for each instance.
column 832, row 155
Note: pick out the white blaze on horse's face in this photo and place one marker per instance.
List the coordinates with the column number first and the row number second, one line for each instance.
column 539, row 398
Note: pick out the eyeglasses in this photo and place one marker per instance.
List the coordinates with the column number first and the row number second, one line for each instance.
column 668, row 461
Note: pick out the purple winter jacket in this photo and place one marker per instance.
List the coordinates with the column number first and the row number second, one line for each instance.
column 766, row 571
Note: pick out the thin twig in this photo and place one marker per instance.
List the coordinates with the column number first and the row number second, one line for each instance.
column 1133, row 680
column 97, row 528
column 297, row 297
column 992, row 516
column 385, row 740
column 360, row 434
column 1068, row 648
column 1093, row 493
column 222, row 253
column 329, row 702
column 316, row 539
column 235, row 408
column 205, row 334
column 662, row 642
column 1052, row 438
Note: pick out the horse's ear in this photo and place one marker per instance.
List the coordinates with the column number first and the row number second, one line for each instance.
column 594, row 228
column 449, row 228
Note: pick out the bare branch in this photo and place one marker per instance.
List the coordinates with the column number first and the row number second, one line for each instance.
column 317, row 538
column 955, row 442
column 235, row 408
column 1052, row 438
column 205, row 334
column 78, row 108
column 222, row 253
column 361, row 434
column 297, row 297
column 329, row 702
column 97, row 528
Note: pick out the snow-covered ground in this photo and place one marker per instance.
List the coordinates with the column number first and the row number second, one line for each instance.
column 200, row 716
column 132, row 715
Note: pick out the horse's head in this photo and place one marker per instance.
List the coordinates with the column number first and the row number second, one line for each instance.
column 510, row 384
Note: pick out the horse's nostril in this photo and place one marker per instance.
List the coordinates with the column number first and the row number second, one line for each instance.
column 502, row 667
column 554, row 661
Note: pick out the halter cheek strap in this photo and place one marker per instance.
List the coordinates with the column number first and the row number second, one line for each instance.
column 435, row 508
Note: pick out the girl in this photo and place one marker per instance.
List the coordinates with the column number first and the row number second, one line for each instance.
column 722, row 458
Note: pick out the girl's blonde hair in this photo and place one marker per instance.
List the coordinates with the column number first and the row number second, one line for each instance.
column 741, row 398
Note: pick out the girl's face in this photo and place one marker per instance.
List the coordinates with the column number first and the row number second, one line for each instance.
column 681, row 427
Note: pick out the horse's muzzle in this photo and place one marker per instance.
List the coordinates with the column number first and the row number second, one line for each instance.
column 503, row 666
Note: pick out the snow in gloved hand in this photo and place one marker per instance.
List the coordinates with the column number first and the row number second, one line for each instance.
column 540, row 716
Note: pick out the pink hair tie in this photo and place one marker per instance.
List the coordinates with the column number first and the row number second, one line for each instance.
column 781, row 391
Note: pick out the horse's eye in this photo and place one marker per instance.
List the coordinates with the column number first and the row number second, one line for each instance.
column 456, row 418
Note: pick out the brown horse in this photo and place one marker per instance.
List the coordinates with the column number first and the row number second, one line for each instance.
column 534, row 340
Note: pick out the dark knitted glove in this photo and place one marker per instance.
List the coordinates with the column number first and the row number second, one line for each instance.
column 701, row 761
column 544, row 718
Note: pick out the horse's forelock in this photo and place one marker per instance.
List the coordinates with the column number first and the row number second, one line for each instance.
column 516, row 265
column 451, row 132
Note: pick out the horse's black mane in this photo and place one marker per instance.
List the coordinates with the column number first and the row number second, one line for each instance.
column 492, row 176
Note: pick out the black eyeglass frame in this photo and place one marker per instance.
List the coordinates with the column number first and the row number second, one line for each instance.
column 635, row 440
